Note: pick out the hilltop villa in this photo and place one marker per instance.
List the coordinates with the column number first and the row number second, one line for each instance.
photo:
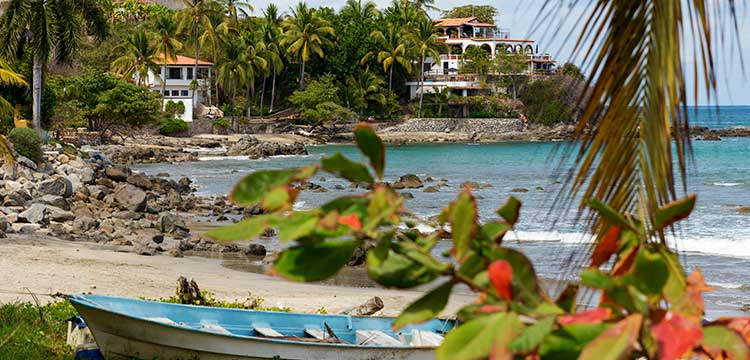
column 179, row 75
column 461, row 33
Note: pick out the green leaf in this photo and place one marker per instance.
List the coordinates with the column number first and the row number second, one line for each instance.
column 610, row 214
column 567, row 342
column 246, row 229
column 510, row 210
column 476, row 338
column 391, row 269
column 651, row 272
column 675, row 288
column 494, row 231
column 297, row 225
column 463, row 222
column 372, row 146
column 616, row 342
column 473, row 265
column 278, row 198
column 254, row 187
column 339, row 165
column 674, row 212
column 425, row 308
column 526, row 287
column 421, row 256
column 532, row 336
column 723, row 338
column 596, row 279
column 314, row 262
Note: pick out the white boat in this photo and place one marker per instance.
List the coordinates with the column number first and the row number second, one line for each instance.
column 130, row 328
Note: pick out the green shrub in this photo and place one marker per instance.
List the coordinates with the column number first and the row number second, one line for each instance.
column 173, row 126
column 222, row 123
column 174, row 108
column 27, row 143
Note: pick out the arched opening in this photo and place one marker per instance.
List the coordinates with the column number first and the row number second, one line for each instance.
column 456, row 50
column 519, row 49
column 486, row 48
column 529, row 50
column 508, row 49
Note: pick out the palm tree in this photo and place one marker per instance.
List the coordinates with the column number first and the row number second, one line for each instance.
column 634, row 124
column 425, row 43
column 402, row 14
column 196, row 17
column 360, row 12
column 304, row 33
column 271, row 30
column 393, row 50
column 234, row 8
column 49, row 28
column 232, row 65
column 139, row 55
column 368, row 88
column 256, row 65
column 167, row 45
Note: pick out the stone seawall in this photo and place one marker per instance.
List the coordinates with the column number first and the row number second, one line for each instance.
column 492, row 125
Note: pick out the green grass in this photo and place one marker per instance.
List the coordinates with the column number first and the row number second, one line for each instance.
column 30, row 332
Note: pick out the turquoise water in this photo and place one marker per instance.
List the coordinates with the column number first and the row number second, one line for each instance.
column 716, row 237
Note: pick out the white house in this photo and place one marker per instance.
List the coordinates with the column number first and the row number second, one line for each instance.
column 461, row 33
column 179, row 75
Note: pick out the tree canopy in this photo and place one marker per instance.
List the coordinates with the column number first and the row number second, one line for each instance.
column 485, row 13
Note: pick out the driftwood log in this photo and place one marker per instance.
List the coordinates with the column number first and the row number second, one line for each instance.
column 370, row 307
column 188, row 292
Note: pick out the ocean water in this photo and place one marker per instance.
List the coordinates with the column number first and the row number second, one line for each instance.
column 716, row 238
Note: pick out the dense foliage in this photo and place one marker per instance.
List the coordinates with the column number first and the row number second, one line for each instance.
column 552, row 100
column 27, row 143
column 485, row 13
column 173, row 126
column 35, row 332
column 646, row 305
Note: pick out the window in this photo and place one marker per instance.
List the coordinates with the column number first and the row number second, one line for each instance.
column 174, row 73
column 175, row 92
column 202, row 73
column 166, row 92
column 184, row 93
column 189, row 73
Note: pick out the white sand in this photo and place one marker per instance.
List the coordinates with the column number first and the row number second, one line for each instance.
column 46, row 265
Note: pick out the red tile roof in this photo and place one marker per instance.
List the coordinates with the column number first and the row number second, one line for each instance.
column 183, row 60
column 461, row 21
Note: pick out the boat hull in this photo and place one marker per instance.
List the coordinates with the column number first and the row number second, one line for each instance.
column 121, row 336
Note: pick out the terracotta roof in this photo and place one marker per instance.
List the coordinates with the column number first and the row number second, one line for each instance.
column 461, row 21
column 183, row 60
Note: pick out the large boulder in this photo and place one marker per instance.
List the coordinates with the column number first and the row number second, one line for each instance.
column 56, row 185
column 53, row 200
column 130, row 197
column 172, row 224
column 409, row 181
column 115, row 173
column 84, row 174
column 59, row 215
column 140, row 180
column 83, row 224
column 35, row 214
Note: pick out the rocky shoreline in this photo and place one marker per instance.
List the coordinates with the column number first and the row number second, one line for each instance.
column 86, row 197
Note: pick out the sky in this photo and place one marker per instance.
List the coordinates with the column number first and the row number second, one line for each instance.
column 521, row 16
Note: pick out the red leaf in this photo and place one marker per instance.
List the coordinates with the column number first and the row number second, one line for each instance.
column 491, row 308
column 696, row 286
column 606, row 246
column 351, row 220
column 592, row 316
column 501, row 276
column 676, row 335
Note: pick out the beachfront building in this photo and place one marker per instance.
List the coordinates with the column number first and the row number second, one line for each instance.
column 178, row 79
column 460, row 34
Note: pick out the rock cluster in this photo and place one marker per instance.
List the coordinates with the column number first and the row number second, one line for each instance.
column 256, row 149
column 87, row 198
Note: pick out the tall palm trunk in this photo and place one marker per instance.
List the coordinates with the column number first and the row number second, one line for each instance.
column 421, row 85
column 390, row 79
column 273, row 90
column 36, row 94
column 195, row 67
column 302, row 75
column 262, row 94
column 164, row 79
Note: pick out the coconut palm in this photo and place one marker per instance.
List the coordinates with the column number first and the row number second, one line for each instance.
column 425, row 43
column 49, row 28
column 256, row 64
column 232, row 67
column 271, row 30
column 306, row 33
column 166, row 45
column 393, row 50
column 138, row 56
column 634, row 131
column 368, row 88
column 234, row 8
column 360, row 12
column 196, row 18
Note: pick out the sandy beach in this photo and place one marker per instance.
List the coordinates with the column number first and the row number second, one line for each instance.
column 45, row 265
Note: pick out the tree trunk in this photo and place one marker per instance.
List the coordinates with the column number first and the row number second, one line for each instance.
column 302, row 76
column 390, row 79
column 195, row 68
column 421, row 84
column 262, row 94
column 36, row 94
column 163, row 80
column 249, row 102
column 273, row 90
